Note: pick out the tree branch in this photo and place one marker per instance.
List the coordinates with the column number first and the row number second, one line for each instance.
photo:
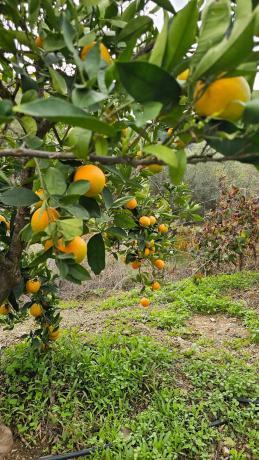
column 30, row 153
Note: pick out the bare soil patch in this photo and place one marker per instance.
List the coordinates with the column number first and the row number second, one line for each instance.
column 217, row 327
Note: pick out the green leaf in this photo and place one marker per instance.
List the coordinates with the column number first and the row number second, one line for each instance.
column 55, row 109
column 58, row 82
column 181, row 35
column 53, row 42
column 162, row 153
column 251, row 113
column 29, row 125
column 101, row 146
column 70, row 228
column 91, row 205
column 146, row 112
column 85, row 98
column 78, row 272
column 76, row 210
column 5, row 111
column 230, row 52
column 177, row 173
column 123, row 219
column 55, row 181
column 78, row 139
column 121, row 201
column 158, row 51
column 166, row 4
column 107, row 198
column 117, row 232
column 147, row 82
column 79, row 187
column 216, row 18
column 96, row 253
column 19, row 196
column 135, row 28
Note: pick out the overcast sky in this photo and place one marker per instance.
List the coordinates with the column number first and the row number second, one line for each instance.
column 178, row 4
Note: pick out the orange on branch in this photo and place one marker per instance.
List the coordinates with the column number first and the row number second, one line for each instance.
column 33, row 286
column 131, row 204
column 150, row 244
column 77, row 247
column 42, row 218
column 38, row 41
column 152, row 220
column 5, row 309
column 155, row 285
column 222, row 98
column 94, row 176
column 159, row 263
column 5, row 221
column 36, row 310
column 136, row 264
column 53, row 334
column 163, row 228
column 144, row 302
column 144, row 221
column 40, row 194
column 146, row 252
column 105, row 55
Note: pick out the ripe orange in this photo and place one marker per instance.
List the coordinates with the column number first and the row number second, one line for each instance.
column 6, row 222
column 155, row 285
column 131, row 204
column 144, row 302
column 144, row 221
column 150, row 244
column 77, row 247
column 53, row 334
column 136, row 264
column 146, row 252
column 36, row 310
column 152, row 220
column 41, row 219
column 40, row 194
column 155, row 168
column 5, row 309
column 105, row 55
column 38, row 42
column 222, row 98
column 170, row 131
column 48, row 244
column 33, row 286
column 159, row 263
column 163, row 228
column 94, row 175
column 183, row 75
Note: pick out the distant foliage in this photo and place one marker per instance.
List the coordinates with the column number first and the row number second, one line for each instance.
column 230, row 232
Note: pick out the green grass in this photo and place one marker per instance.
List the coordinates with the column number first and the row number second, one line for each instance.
column 82, row 394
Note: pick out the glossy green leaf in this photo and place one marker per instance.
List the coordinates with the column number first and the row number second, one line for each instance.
column 76, row 210
column 157, row 54
column 146, row 112
column 58, row 82
column 181, row 35
column 78, row 272
column 177, row 173
column 135, row 28
column 53, row 42
column 230, row 52
column 55, row 181
column 78, row 140
column 79, row 187
column 166, row 4
column 215, row 18
column 251, row 113
column 85, row 98
column 91, row 205
column 29, row 125
column 123, row 219
column 70, row 228
column 101, row 146
column 117, row 232
column 146, row 82
column 163, row 153
column 96, row 253
column 56, row 109
column 18, row 196
column 5, row 111
column 107, row 198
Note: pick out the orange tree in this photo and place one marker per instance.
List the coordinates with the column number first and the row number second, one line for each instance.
column 93, row 99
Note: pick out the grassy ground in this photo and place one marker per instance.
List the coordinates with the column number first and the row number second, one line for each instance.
column 151, row 382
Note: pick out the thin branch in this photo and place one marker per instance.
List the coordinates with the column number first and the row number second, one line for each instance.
column 30, row 153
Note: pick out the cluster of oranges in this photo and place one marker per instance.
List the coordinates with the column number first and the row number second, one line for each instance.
column 33, row 286
column 148, row 222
